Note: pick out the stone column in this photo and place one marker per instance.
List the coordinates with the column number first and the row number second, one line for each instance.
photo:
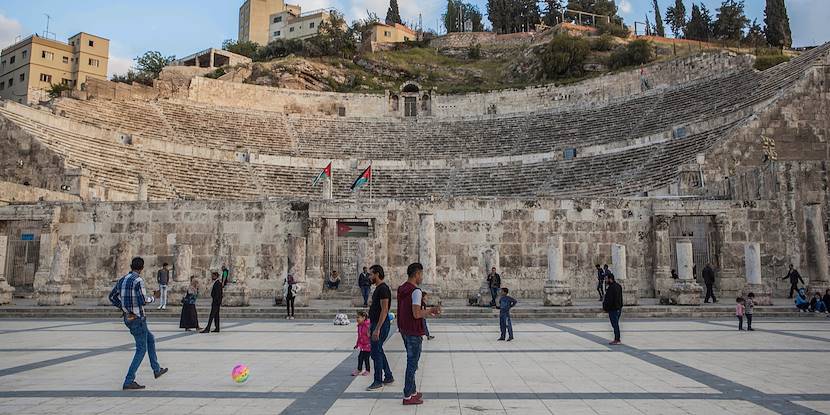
column 754, row 283
column 491, row 259
column 619, row 266
column 237, row 293
column 816, row 253
column 141, row 194
column 427, row 256
column 685, row 290
column 297, row 268
column 6, row 290
column 313, row 260
column 364, row 257
column 123, row 256
column 662, row 259
column 327, row 190
column 730, row 282
column 182, row 270
column 557, row 290
column 57, row 290
column 46, row 252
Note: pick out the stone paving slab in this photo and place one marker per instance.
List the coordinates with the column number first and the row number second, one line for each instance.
column 303, row 367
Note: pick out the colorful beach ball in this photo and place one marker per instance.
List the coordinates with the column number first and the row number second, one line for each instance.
column 391, row 316
column 239, row 373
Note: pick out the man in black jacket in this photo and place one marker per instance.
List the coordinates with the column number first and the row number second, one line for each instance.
column 709, row 281
column 612, row 304
column 364, row 282
column 494, row 283
column 794, row 278
column 216, row 302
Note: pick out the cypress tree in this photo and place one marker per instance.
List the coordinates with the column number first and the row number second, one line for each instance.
column 393, row 14
column 778, row 24
column 659, row 29
column 731, row 20
column 700, row 24
column 676, row 18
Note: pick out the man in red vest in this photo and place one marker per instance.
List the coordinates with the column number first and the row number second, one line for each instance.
column 411, row 325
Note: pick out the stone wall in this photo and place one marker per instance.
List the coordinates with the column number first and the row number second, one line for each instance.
column 516, row 230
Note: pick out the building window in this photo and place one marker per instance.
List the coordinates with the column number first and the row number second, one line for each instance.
column 11, row 82
column 94, row 62
column 311, row 25
column 277, row 33
column 406, row 39
column 410, row 106
column 11, row 60
column 45, row 78
column 3, row 65
column 386, row 33
column 277, row 19
column 91, row 43
column 65, row 59
column 47, row 55
column 291, row 29
column 2, row 86
column 23, row 55
column 67, row 82
column 22, row 77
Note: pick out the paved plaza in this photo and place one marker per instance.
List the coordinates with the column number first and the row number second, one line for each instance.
column 304, row 367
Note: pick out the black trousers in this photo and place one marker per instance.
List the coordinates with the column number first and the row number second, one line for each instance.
column 710, row 293
column 749, row 321
column 289, row 306
column 214, row 315
column 793, row 288
column 363, row 359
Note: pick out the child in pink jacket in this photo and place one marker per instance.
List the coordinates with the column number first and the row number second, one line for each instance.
column 362, row 344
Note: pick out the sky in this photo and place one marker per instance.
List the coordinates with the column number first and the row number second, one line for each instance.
column 182, row 27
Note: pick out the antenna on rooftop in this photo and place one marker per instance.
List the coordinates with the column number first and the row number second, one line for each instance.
column 47, row 32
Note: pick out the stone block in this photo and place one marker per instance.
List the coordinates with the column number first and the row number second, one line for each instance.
column 685, row 292
column 763, row 294
column 557, row 293
column 236, row 295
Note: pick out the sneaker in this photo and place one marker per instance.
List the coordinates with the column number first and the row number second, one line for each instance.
column 132, row 386
column 160, row 372
column 388, row 381
column 374, row 386
column 501, row 339
column 413, row 400
column 419, row 395
column 751, row 329
column 355, row 372
column 430, row 337
column 614, row 342
column 364, row 373
column 288, row 317
column 510, row 339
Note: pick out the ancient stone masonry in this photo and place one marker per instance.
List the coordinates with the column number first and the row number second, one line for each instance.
column 56, row 290
column 557, row 289
column 5, row 289
column 685, row 291
column 754, row 282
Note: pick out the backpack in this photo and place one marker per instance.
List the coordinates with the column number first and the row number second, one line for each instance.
column 341, row 320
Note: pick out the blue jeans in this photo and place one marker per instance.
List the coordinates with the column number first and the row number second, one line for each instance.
column 505, row 323
column 494, row 293
column 614, row 316
column 413, row 355
column 365, row 291
column 382, row 369
column 145, row 343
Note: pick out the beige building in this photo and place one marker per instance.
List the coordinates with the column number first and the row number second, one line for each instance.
column 384, row 33
column 255, row 18
column 291, row 24
column 32, row 65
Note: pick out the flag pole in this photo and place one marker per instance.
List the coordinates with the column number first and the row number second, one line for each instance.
column 371, row 178
column 331, row 181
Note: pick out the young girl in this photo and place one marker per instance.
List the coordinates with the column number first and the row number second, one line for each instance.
column 749, row 310
column 739, row 312
column 362, row 344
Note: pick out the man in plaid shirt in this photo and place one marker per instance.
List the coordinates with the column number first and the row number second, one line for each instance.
column 129, row 296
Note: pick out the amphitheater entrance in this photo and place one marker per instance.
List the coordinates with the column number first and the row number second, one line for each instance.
column 341, row 249
column 20, row 254
column 702, row 232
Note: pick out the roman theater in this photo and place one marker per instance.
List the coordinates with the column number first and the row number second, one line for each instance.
column 696, row 160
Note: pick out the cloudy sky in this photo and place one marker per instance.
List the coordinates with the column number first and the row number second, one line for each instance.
column 181, row 27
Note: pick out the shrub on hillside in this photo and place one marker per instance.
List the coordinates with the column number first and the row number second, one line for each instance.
column 638, row 52
column 613, row 29
column 603, row 43
column 55, row 90
column 764, row 62
column 216, row 73
column 563, row 56
column 474, row 52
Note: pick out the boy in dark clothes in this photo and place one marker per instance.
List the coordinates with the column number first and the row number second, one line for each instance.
column 506, row 302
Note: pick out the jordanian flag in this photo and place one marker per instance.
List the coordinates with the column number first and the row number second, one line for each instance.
column 364, row 178
column 325, row 173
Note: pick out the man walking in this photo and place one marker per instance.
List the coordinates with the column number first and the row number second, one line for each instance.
column 379, row 327
column 612, row 304
column 163, row 278
column 494, row 283
column 216, row 302
column 364, row 282
column 600, row 282
column 129, row 296
column 411, row 325
column 709, row 281
column 794, row 278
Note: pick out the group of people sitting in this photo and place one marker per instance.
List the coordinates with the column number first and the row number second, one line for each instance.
column 816, row 304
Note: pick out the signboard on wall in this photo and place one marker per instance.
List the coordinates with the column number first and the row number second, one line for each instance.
column 27, row 237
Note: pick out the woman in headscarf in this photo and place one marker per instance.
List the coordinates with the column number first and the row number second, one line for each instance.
column 189, row 319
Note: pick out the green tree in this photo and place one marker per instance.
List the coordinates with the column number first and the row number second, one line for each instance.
column 393, row 15
column 731, row 21
column 603, row 7
column 637, row 52
column 151, row 63
column 334, row 38
column 511, row 16
column 459, row 12
column 700, row 23
column 563, row 56
column 245, row 48
column 755, row 35
column 778, row 24
column 676, row 18
column 659, row 29
column 552, row 13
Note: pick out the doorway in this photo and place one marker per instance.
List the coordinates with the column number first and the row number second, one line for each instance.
column 22, row 255
column 700, row 230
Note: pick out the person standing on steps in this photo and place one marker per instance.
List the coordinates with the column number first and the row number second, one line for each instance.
column 709, row 281
column 494, row 283
column 411, row 317
column 289, row 292
column 794, row 278
column 163, row 278
column 130, row 296
column 600, row 282
column 379, row 328
column 364, row 282
column 612, row 304
column 226, row 275
column 216, row 302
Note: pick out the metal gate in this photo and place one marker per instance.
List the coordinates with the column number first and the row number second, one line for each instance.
column 21, row 264
column 700, row 231
column 340, row 257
